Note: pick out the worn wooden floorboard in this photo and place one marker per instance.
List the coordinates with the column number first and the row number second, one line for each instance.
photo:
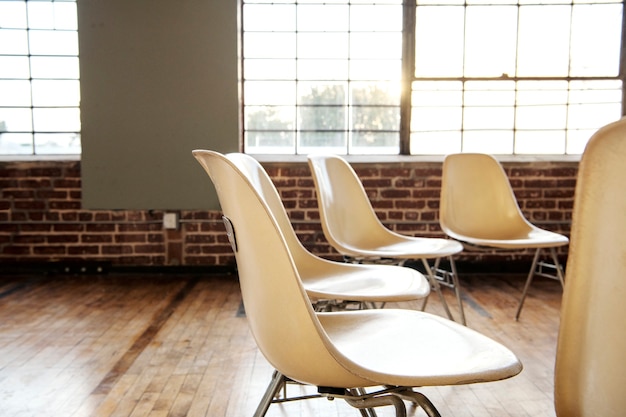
column 178, row 346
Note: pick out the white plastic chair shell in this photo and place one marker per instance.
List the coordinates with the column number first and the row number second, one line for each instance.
column 352, row 227
column 348, row 350
column 478, row 207
column 327, row 280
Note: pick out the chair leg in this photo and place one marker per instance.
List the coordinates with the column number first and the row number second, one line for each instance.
column 457, row 289
column 537, row 269
column 557, row 265
column 276, row 384
column 529, row 280
column 435, row 284
column 450, row 279
column 365, row 412
column 369, row 403
column 425, row 299
column 393, row 396
column 421, row 400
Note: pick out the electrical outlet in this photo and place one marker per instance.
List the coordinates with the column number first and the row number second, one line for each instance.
column 170, row 220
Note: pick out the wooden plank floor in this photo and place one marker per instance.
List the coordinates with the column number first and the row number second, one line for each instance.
column 154, row 345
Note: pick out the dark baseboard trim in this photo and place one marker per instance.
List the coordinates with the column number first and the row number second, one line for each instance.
column 104, row 268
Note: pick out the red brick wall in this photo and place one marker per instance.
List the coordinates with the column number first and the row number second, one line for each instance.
column 41, row 219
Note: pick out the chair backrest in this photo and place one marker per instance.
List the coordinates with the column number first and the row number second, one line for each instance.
column 346, row 213
column 263, row 184
column 590, row 375
column 278, row 310
column 477, row 200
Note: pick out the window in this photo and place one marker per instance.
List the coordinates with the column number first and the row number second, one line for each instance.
column 39, row 77
column 503, row 77
column 322, row 75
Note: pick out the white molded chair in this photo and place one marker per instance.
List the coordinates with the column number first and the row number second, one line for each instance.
column 330, row 285
column 352, row 227
column 478, row 207
column 326, row 281
column 590, row 374
column 342, row 353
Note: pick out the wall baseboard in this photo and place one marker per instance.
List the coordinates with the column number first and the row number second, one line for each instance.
column 104, row 268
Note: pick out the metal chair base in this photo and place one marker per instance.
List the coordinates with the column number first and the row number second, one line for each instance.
column 357, row 398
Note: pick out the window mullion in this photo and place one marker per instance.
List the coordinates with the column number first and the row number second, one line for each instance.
column 408, row 73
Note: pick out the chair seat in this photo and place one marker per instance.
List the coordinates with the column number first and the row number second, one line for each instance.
column 404, row 247
column 370, row 283
column 534, row 238
column 434, row 351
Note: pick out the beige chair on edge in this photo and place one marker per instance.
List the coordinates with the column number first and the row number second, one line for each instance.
column 478, row 208
column 342, row 353
column 333, row 284
column 590, row 376
column 352, row 227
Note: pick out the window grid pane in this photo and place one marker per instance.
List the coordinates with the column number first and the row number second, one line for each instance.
column 532, row 77
column 39, row 77
column 508, row 117
column 327, row 79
